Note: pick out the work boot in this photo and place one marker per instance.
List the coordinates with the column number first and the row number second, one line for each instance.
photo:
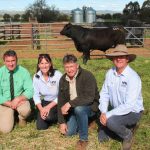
column 127, row 143
column 81, row 145
column 22, row 123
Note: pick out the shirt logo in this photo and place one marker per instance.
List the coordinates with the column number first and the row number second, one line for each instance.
column 124, row 83
column 53, row 83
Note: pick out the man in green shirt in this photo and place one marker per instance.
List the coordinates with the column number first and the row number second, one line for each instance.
column 15, row 90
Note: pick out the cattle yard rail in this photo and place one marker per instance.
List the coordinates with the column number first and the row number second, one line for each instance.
column 39, row 36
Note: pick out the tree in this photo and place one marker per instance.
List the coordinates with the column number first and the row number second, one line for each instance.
column 117, row 16
column 42, row 12
column 7, row 17
column 25, row 16
column 16, row 17
column 36, row 10
column 63, row 17
column 145, row 12
column 146, row 4
column 132, row 10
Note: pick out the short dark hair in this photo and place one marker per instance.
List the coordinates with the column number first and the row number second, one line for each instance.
column 10, row 53
column 69, row 58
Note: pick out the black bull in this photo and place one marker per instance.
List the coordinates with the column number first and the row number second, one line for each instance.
column 86, row 39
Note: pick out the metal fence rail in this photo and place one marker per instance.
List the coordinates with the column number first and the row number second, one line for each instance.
column 31, row 36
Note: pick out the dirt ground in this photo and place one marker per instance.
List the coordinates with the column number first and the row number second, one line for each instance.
column 60, row 51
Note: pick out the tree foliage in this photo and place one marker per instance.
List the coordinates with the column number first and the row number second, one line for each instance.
column 42, row 12
column 117, row 16
column 7, row 17
column 105, row 16
column 132, row 10
column 16, row 17
column 145, row 12
column 25, row 16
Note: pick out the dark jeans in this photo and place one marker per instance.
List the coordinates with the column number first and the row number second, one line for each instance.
column 77, row 121
column 51, row 118
column 119, row 125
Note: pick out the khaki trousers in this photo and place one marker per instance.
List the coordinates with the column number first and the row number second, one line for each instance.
column 7, row 116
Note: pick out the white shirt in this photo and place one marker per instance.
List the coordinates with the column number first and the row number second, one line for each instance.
column 122, row 92
column 47, row 90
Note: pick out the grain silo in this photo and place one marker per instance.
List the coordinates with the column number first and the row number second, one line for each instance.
column 90, row 15
column 77, row 15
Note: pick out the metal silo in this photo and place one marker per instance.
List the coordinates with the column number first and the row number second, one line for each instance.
column 90, row 15
column 77, row 15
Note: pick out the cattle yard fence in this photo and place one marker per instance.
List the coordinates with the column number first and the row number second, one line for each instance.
column 46, row 36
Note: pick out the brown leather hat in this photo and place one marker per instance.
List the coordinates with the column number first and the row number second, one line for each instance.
column 121, row 50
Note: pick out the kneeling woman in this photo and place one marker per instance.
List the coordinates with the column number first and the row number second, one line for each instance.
column 46, row 85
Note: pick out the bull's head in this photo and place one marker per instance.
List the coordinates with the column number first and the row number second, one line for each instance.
column 66, row 30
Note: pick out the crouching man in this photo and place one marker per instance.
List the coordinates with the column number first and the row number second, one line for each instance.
column 122, row 91
column 15, row 90
column 77, row 100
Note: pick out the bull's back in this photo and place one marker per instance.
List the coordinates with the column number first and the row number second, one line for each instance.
column 100, row 38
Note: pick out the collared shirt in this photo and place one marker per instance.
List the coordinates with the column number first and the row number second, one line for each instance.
column 47, row 90
column 22, row 83
column 72, row 86
column 122, row 92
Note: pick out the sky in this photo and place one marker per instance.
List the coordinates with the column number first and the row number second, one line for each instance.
column 114, row 5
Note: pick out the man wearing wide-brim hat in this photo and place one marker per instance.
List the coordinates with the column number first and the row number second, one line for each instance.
column 122, row 91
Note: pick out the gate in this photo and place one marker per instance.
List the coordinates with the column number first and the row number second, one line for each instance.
column 135, row 36
column 39, row 36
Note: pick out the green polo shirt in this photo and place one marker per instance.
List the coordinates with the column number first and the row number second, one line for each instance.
column 22, row 83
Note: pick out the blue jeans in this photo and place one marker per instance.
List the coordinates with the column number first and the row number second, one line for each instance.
column 77, row 121
column 119, row 125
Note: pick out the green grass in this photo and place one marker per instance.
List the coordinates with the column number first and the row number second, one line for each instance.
column 29, row 138
column 3, row 42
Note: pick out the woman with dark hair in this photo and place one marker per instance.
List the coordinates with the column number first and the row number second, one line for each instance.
column 46, row 85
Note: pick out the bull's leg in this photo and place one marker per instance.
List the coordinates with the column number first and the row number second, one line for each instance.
column 86, row 56
column 84, row 59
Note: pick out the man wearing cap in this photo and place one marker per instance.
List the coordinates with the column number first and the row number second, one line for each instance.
column 15, row 90
column 121, row 102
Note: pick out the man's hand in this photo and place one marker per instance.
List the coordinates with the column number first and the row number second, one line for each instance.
column 17, row 101
column 65, row 108
column 7, row 103
column 63, row 128
column 103, row 119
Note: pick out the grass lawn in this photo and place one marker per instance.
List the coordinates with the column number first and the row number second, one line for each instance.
column 29, row 138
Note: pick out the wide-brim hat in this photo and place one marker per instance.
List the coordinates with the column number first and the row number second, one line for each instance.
column 121, row 50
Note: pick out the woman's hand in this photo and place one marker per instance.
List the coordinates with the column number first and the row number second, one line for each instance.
column 44, row 112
